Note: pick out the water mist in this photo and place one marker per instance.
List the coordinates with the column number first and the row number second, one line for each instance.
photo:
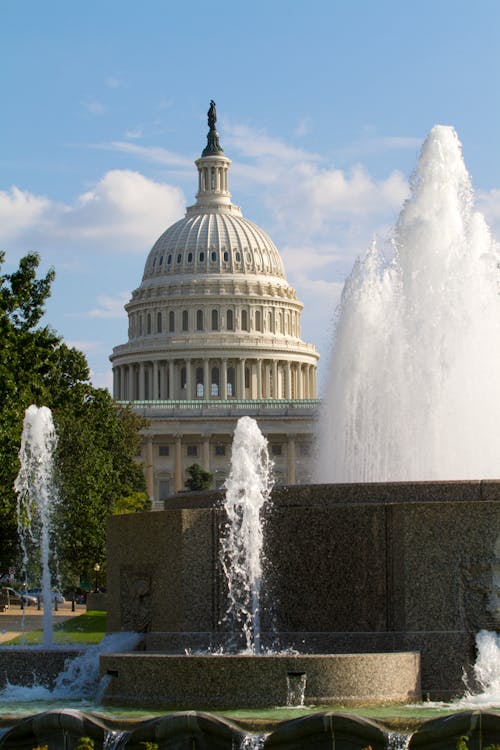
column 413, row 392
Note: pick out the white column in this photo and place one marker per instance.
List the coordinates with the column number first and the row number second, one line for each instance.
column 223, row 379
column 189, row 387
column 241, row 390
column 154, row 387
column 288, row 386
column 299, row 382
column 274, row 378
column 206, row 380
column 205, row 453
column 171, row 379
column 141, row 382
column 116, row 389
column 259, row 378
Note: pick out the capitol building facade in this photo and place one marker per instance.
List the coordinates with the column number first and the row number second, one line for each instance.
column 214, row 334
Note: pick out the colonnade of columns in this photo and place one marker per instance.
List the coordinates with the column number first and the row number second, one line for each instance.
column 218, row 378
column 180, row 460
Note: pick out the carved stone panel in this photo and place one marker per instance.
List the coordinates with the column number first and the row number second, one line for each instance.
column 135, row 598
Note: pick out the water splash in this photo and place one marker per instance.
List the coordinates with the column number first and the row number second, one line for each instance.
column 37, row 499
column 398, row 740
column 486, row 673
column 80, row 678
column 248, row 489
column 254, row 741
column 416, row 363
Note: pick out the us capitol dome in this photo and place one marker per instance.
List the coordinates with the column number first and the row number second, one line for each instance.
column 214, row 334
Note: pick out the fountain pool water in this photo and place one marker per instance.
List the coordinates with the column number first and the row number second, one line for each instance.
column 37, row 499
column 414, row 374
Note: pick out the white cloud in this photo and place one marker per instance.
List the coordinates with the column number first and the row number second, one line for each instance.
column 18, row 209
column 373, row 145
column 124, row 211
column 257, row 144
column 94, row 106
column 133, row 133
column 110, row 307
column 114, row 83
column 154, row 154
column 86, row 346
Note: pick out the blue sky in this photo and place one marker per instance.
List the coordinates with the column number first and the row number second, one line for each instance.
column 322, row 106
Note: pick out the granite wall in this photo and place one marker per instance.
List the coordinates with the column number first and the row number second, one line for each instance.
column 349, row 568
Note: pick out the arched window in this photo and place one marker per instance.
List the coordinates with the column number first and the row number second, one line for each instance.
column 171, row 321
column 270, row 322
column 258, row 324
column 247, row 377
column 199, row 320
column 244, row 320
column 215, row 320
column 158, row 322
column 214, row 383
column 230, row 320
column 183, row 377
column 148, row 329
column 185, row 320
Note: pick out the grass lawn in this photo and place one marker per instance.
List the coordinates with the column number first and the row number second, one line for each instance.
column 88, row 628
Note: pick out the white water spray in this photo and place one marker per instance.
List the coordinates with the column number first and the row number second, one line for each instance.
column 247, row 491
column 413, row 393
column 486, row 673
column 80, row 678
column 37, row 498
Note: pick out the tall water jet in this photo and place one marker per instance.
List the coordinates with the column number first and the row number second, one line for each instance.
column 247, row 491
column 37, row 498
column 413, row 391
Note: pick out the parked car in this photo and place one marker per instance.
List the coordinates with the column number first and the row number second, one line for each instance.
column 56, row 596
column 15, row 597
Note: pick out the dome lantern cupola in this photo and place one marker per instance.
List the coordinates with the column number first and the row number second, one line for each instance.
column 213, row 170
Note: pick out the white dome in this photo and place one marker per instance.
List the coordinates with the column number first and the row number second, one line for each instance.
column 213, row 241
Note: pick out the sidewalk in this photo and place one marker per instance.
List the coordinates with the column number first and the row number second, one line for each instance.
column 11, row 621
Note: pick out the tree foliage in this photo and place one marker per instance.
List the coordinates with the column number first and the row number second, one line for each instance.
column 199, row 479
column 97, row 439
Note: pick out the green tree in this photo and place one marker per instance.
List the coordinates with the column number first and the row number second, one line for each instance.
column 96, row 470
column 199, row 479
column 97, row 439
column 26, row 354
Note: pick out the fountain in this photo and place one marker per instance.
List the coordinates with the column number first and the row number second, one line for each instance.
column 194, row 625
column 36, row 500
column 247, row 492
column 366, row 574
column 414, row 374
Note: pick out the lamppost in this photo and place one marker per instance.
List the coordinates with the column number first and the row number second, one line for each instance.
column 97, row 568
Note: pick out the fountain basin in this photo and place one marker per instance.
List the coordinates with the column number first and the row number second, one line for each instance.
column 229, row 681
column 28, row 666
